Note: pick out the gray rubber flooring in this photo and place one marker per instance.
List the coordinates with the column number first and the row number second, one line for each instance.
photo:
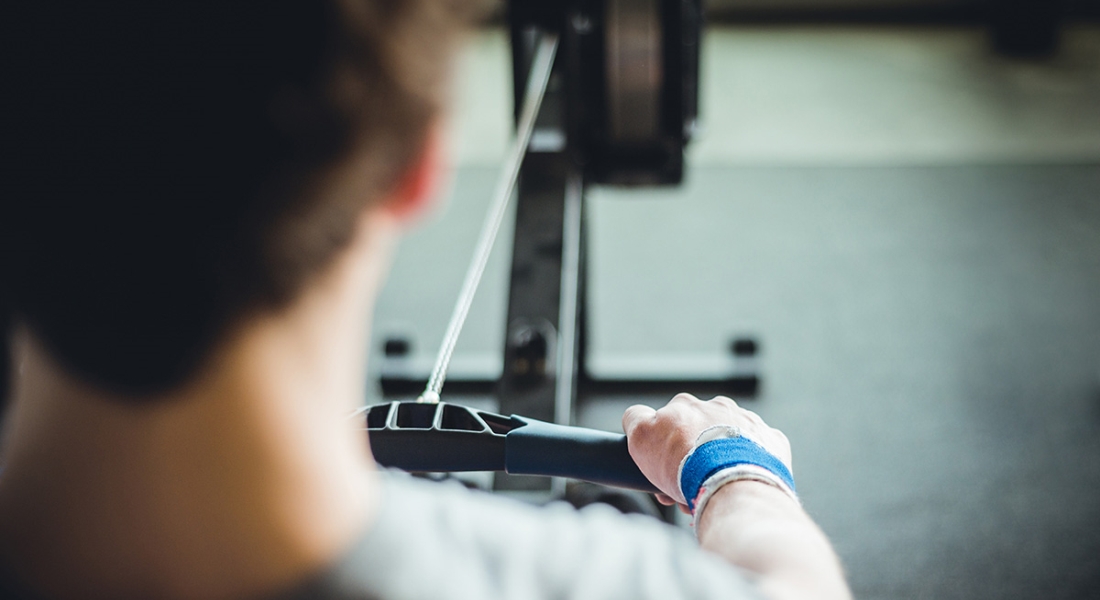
column 932, row 342
column 931, row 345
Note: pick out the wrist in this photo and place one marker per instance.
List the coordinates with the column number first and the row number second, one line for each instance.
column 717, row 461
column 740, row 474
column 746, row 489
column 740, row 495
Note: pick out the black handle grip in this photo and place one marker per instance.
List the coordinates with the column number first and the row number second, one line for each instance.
column 540, row 448
column 448, row 437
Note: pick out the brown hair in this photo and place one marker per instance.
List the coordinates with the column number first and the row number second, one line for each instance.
column 166, row 159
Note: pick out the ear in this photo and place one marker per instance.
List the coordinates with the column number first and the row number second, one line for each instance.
column 416, row 190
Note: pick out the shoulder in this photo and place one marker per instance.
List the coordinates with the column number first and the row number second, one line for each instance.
column 440, row 541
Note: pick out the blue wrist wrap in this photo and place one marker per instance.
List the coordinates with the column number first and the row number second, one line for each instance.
column 715, row 455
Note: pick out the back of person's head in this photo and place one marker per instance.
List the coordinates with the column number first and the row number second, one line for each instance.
column 166, row 159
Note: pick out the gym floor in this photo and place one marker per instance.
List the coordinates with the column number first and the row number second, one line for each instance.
column 910, row 227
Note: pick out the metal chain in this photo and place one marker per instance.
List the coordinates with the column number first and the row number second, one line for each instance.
column 532, row 99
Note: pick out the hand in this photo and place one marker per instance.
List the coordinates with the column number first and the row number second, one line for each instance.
column 659, row 440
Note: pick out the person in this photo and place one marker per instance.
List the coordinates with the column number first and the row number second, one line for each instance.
column 200, row 206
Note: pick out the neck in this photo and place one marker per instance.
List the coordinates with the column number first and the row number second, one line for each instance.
column 246, row 479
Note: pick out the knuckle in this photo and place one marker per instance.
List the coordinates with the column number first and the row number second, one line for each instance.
column 634, row 418
column 672, row 410
column 725, row 401
column 752, row 416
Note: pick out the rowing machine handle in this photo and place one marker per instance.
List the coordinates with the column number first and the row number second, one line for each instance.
column 541, row 448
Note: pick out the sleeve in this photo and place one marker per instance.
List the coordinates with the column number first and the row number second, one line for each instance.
column 442, row 542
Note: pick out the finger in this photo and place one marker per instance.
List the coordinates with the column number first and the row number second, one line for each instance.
column 724, row 400
column 636, row 415
column 683, row 397
column 664, row 499
column 752, row 416
column 684, row 509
